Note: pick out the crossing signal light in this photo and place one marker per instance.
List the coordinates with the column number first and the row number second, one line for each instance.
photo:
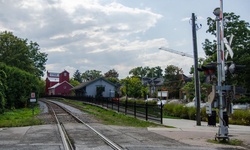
column 233, row 68
column 209, row 71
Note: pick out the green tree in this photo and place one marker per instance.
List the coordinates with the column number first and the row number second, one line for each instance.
column 38, row 58
column 111, row 74
column 91, row 75
column 158, row 72
column 41, row 87
column 20, row 84
column 18, row 53
column 240, row 45
column 2, row 90
column 173, row 80
column 139, row 72
column 142, row 72
column 74, row 82
column 132, row 87
column 77, row 76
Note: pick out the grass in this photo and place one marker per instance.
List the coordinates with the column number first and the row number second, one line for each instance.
column 19, row 117
column 24, row 117
column 170, row 117
column 110, row 117
column 234, row 142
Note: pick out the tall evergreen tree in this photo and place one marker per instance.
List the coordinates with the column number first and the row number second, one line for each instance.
column 77, row 76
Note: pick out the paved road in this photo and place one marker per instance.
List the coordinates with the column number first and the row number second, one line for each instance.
column 186, row 131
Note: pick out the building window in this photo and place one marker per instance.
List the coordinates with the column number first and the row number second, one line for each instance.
column 64, row 87
column 65, row 74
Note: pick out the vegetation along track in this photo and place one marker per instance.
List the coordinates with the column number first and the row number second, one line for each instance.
column 63, row 116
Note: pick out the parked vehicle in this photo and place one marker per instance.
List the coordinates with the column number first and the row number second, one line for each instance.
column 158, row 101
column 152, row 99
column 175, row 101
column 241, row 106
column 163, row 102
column 192, row 104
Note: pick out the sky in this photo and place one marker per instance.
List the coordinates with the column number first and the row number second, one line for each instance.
column 113, row 34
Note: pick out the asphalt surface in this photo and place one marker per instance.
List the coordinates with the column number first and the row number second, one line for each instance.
column 187, row 131
column 185, row 135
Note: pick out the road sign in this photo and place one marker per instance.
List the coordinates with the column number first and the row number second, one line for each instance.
column 32, row 100
column 33, row 95
column 229, row 48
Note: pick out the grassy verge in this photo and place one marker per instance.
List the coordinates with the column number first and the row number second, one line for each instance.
column 110, row 117
column 234, row 142
column 19, row 117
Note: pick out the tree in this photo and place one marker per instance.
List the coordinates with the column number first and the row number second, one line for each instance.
column 91, row 75
column 240, row 45
column 111, row 74
column 38, row 58
column 74, row 82
column 142, row 72
column 2, row 90
column 77, row 76
column 18, row 53
column 173, row 80
column 20, row 84
column 158, row 72
column 139, row 72
column 133, row 87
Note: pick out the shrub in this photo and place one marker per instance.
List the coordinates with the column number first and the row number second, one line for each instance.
column 184, row 113
column 177, row 110
column 240, row 117
column 169, row 109
column 191, row 113
column 20, row 84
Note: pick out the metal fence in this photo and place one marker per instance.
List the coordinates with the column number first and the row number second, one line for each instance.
column 149, row 112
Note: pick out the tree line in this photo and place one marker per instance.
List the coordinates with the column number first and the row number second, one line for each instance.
column 21, row 66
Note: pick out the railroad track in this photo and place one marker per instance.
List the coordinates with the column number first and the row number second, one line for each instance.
column 63, row 116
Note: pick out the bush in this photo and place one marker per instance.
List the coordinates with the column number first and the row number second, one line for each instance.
column 169, row 109
column 179, row 110
column 184, row 113
column 19, row 86
column 241, row 117
column 192, row 113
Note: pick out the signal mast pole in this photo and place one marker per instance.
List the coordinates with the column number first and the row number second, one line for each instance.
column 223, row 129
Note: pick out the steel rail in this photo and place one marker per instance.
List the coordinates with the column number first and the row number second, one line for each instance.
column 63, row 135
column 105, row 139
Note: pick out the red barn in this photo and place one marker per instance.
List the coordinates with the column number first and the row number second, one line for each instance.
column 58, row 83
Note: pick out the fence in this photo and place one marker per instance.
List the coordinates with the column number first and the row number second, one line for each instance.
column 149, row 112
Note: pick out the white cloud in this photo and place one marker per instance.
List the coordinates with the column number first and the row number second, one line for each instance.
column 102, row 35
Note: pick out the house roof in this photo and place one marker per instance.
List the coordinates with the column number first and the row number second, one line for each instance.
column 84, row 84
column 58, row 84
column 155, row 81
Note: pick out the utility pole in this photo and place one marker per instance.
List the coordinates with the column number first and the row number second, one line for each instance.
column 196, row 76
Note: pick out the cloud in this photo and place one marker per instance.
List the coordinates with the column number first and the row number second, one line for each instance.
column 87, row 34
